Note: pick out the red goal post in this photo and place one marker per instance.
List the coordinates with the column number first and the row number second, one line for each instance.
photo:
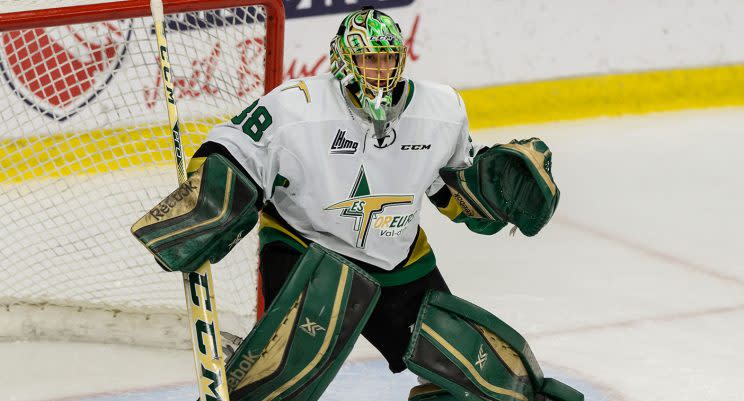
column 84, row 152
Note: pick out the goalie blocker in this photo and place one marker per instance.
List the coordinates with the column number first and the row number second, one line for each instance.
column 202, row 219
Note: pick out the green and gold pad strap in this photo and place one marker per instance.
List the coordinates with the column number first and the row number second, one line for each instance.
column 430, row 392
column 473, row 355
column 202, row 219
column 512, row 183
column 307, row 332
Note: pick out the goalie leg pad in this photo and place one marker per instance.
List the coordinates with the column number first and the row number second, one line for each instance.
column 469, row 352
column 201, row 220
column 430, row 392
column 307, row 332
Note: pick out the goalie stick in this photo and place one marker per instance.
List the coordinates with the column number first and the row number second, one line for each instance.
column 200, row 298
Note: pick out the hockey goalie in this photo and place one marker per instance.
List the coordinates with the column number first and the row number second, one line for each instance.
column 338, row 166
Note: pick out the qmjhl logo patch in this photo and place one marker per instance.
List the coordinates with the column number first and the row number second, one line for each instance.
column 343, row 146
column 57, row 70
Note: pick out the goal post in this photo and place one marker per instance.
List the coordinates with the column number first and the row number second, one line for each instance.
column 85, row 150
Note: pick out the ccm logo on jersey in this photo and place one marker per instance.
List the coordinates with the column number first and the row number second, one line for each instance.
column 343, row 146
column 415, row 147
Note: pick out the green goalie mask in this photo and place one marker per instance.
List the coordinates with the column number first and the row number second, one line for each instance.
column 368, row 56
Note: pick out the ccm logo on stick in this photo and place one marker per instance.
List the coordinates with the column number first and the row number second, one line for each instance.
column 415, row 147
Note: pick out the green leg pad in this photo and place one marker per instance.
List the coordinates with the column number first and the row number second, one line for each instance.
column 430, row 392
column 469, row 352
column 297, row 348
column 555, row 390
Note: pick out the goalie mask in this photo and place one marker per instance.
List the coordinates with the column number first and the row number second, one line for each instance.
column 368, row 56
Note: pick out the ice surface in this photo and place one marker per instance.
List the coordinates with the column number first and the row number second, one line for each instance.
column 633, row 292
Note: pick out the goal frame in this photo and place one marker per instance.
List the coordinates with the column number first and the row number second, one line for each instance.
column 95, row 11
column 80, row 14
column 128, row 9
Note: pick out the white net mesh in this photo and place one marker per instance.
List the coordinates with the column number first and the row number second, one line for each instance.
column 85, row 151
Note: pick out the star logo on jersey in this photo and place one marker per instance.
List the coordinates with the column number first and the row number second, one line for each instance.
column 364, row 207
column 482, row 357
column 60, row 70
column 311, row 327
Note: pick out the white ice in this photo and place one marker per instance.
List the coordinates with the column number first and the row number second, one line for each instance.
column 634, row 291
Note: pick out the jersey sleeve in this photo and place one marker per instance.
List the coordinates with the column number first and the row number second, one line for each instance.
column 251, row 140
column 440, row 195
column 463, row 152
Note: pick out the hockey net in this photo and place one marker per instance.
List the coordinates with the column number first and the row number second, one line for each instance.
column 85, row 150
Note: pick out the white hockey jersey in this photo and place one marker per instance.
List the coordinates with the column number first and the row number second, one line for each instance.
column 340, row 186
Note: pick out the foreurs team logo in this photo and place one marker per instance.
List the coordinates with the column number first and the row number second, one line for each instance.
column 365, row 208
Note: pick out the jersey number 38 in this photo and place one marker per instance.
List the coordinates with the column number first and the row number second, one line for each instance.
column 256, row 122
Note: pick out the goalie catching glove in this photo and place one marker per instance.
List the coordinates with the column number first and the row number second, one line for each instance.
column 510, row 183
column 203, row 219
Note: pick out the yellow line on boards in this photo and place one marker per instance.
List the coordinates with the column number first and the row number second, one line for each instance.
column 93, row 152
column 99, row 151
column 605, row 95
